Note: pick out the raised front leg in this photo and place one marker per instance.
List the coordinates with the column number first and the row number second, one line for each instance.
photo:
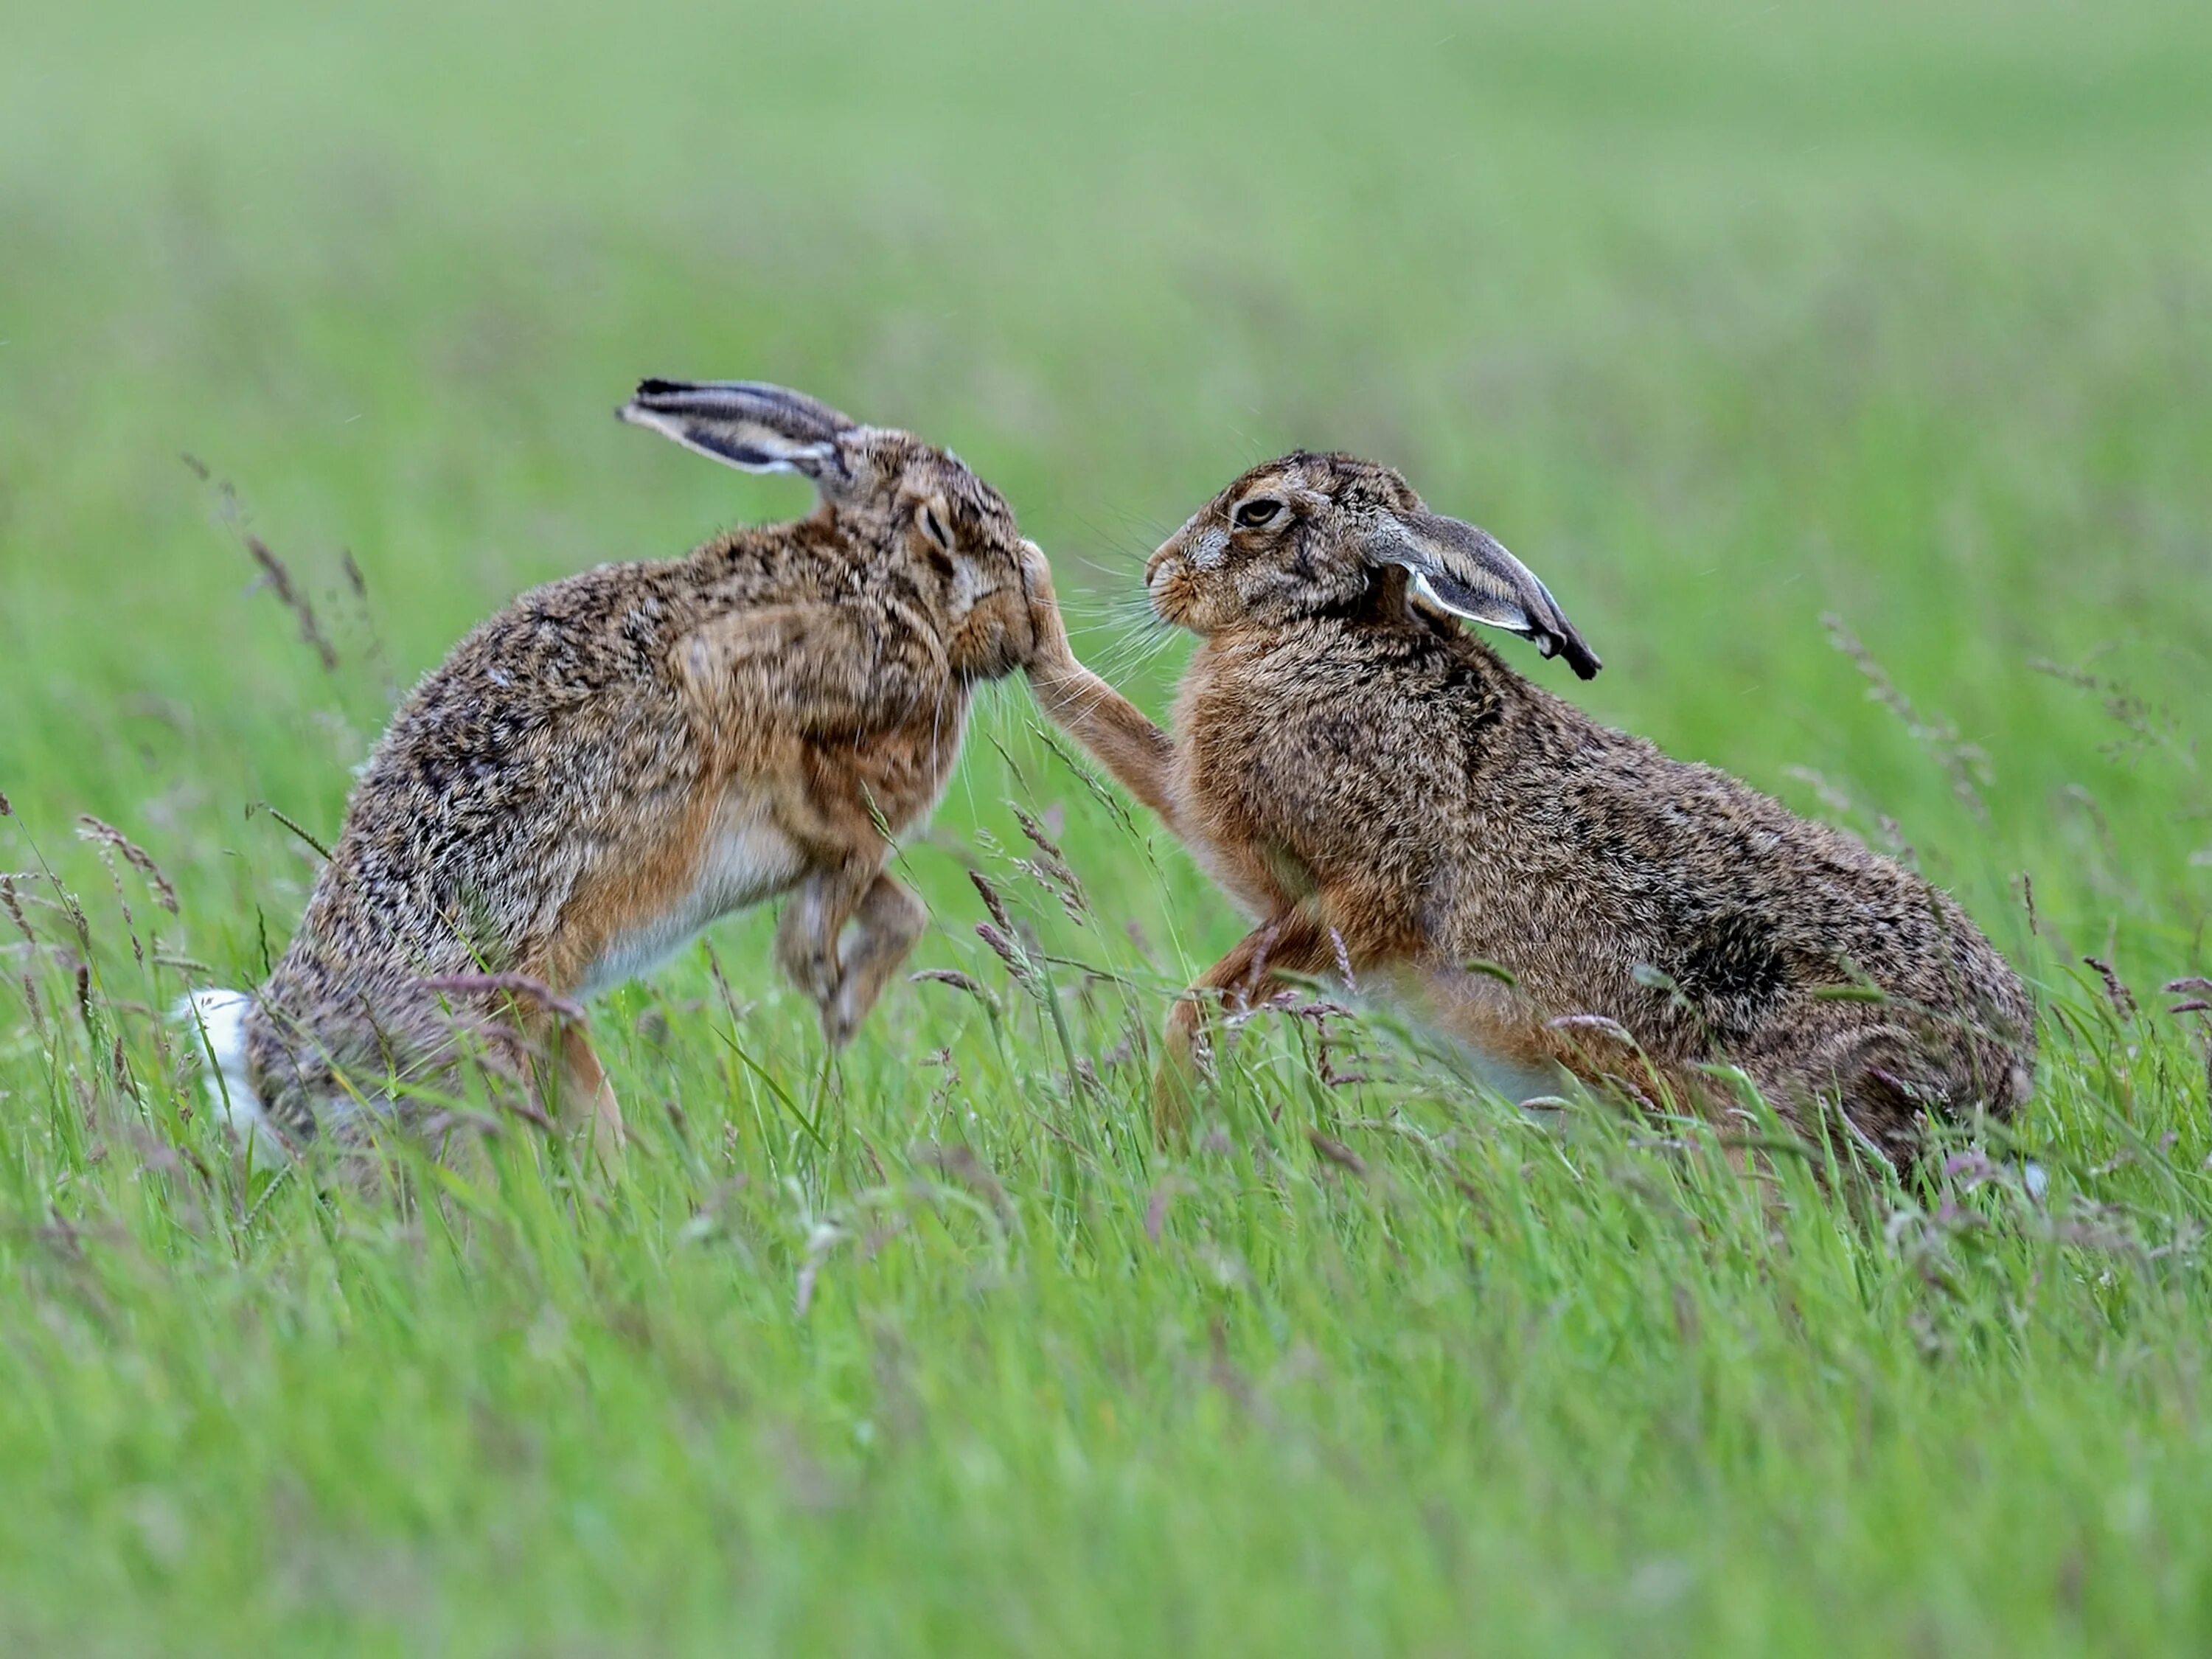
column 1296, row 941
column 845, row 977
column 1116, row 731
column 814, row 919
column 885, row 927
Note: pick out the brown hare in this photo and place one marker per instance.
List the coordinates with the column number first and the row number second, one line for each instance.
column 619, row 758
column 1383, row 794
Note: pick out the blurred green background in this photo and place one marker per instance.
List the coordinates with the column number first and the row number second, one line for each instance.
column 1729, row 319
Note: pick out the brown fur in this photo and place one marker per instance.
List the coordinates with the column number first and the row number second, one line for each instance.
column 1359, row 770
column 548, row 801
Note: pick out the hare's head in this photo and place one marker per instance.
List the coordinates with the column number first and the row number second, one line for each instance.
column 1311, row 535
column 906, row 505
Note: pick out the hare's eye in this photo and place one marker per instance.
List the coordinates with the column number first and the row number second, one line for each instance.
column 1258, row 514
column 934, row 526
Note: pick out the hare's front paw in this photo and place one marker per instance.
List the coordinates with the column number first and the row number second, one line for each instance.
column 888, row 921
column 1050, row 653
column 806, row 949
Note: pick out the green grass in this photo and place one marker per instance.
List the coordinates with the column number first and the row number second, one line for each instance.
column 1728, row 319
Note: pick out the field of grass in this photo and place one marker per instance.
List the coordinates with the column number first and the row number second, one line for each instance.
column 1846, row 371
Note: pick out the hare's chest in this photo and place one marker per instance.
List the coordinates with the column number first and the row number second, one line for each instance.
column 895, row 778
column 1240, row 848
column 1310, row 771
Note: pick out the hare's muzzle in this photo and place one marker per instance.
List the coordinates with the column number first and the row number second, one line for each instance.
column 1166, row 582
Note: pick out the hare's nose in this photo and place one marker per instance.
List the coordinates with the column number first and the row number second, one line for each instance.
column 1159, row 568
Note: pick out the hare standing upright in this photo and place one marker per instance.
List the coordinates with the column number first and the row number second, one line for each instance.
column 619, row 758
column 1380, row 790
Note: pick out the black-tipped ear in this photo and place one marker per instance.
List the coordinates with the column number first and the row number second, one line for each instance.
column 745, row 423
column 1465, row 571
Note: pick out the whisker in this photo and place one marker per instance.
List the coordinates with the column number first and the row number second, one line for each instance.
column 1134, row 649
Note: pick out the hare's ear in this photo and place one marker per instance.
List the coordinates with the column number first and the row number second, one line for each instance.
column 745, row 423
column 1467, row 572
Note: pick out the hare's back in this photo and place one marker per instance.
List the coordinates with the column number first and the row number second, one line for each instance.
column 552, row 734
column 1747, row 906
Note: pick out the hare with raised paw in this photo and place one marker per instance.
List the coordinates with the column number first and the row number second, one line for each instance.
column 1379, row 791
column 619, row 758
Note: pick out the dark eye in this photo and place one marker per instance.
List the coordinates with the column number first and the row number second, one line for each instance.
column 1259, row 513
column 934, row 527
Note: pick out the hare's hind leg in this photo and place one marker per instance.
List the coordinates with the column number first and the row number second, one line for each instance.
column 588, row 1099
column 1296, row 942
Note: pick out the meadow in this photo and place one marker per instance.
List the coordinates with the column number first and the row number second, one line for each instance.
column 1846, row 371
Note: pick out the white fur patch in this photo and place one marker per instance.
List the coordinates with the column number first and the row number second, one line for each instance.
column 1211, row 550
column 968, row 587
column 215, row 1021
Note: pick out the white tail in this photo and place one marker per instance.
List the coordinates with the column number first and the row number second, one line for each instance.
column 216, row 1022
